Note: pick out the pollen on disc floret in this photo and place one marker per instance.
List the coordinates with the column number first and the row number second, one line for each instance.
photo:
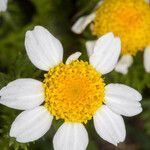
column 74, row 91
column 128, row 19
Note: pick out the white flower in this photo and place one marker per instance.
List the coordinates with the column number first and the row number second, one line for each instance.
column 126, row 60
column 76, row 86
column 3, row 5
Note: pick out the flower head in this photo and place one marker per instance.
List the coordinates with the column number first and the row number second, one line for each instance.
column 74, row 91
column 129, row 19
column 66, row 87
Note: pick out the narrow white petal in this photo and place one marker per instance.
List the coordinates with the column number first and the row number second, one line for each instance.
column 99, row 4
column 123, row 99
column 43, row 49
column 90, row 47
column 82, row 23
column 124, row 63
column 30, row 125
column 109, row 125
column 22, row 94
column 3, row 5
column 73, row 57
column 71, row 136
column 106, row 53
column 147, row 59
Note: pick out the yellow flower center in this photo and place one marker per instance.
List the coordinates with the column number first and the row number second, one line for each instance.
column 128, row 19
column 74, row 91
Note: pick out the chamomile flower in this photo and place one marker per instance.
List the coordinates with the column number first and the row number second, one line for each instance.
column 3, row 5
column 128, row 19
column 74, row 91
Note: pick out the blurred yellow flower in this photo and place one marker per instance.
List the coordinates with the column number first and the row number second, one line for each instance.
column 127, row 19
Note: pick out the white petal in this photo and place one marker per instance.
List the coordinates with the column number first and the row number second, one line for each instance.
column 147, row 59
column 99, row 4
column 73, row 57
column 30, row 125
column 106, row 53
column 3, row 5
column 123, row 99
column 43, row 49
column 109, row 125
column 90, row 47
column 71, row 136
column 124, row 63
column 82, row 23
column 148, row 1
column 22, row 94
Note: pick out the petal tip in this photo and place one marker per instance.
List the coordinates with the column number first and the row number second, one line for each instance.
column 38, row 27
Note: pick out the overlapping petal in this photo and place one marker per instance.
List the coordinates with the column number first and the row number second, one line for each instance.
column 109, row 125
column 90, row 47
column 106, row 53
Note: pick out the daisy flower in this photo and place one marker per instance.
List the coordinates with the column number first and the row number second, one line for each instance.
column 129, row 19
column 3, row 5
column 73, row 91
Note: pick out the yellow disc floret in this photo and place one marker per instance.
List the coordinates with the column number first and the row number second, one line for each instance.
column 128, row 19
column 74, row 91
